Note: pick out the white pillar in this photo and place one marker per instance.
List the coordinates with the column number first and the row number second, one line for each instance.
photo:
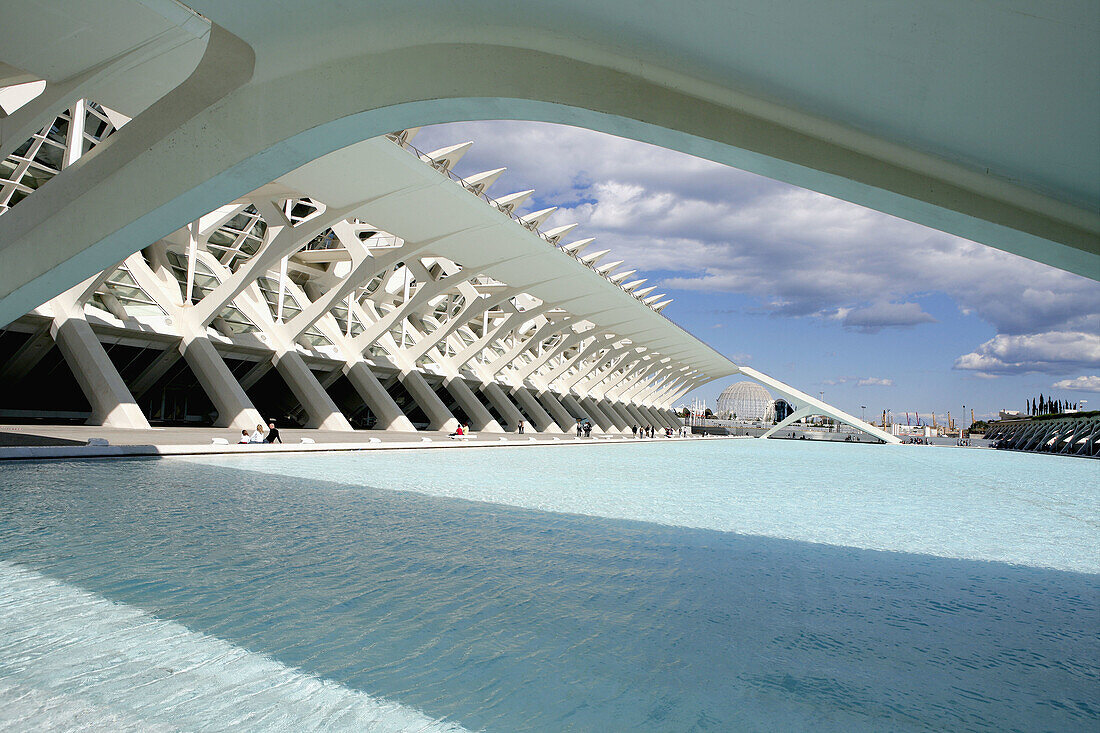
column 112, row 404
column 596, row 415
column 322, row 411
column 507, row 409
column 439, row 417
column 229, row 398
column 481, row 419
column 540, row 417
column 386, row 411
column 561, row 416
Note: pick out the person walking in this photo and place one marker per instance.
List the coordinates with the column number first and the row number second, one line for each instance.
column 580, row 427
column 272, row 432
column 634, row 430
column 521, row 427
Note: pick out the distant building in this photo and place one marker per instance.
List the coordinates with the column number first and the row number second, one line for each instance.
column 783, row 409
column 747, row 401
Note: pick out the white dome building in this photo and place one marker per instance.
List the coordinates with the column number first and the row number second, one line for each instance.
column 746, row 401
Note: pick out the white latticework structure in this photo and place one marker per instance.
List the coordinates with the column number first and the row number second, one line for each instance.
column 746, row 401
column 370, row 288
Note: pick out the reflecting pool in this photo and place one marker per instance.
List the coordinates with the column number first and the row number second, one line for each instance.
column 711, row 585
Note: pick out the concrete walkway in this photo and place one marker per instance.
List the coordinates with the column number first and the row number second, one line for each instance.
column 80, row 441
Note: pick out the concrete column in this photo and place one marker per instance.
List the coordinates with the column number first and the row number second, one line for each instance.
column 439, row 417
column 570, row 403
column 323, row 412
column 112, row 404
column 613, row 415
column 658, row 418
column 540, row 417
column 635, row 413
column 673, row 418
column 386, row 411
column 505, row 406
column 234, row 408
column 561, row 416
column 620, row 409
column 596, row 415
column 481, row 419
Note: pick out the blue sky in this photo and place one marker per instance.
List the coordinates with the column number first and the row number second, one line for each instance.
column 826, row 295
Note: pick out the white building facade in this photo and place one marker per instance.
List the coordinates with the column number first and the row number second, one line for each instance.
column 371, row 288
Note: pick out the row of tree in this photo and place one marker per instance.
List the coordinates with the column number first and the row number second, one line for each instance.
column 1048, row 406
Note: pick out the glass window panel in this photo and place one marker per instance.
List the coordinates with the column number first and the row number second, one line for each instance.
column 58, row 130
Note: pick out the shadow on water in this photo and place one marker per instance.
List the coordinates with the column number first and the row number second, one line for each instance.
column 512, row 619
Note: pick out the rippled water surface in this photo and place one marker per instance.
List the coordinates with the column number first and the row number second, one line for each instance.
column 716, row 585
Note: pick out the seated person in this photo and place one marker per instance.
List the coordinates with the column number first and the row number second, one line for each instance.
column 257, row 435
column 244, row 438
column 272, row 432
column 458, row 431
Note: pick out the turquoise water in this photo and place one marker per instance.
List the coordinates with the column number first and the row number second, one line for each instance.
column 717, row 585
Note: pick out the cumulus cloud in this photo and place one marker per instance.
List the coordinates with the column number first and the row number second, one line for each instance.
column 874, row 318
column 707, row 227
column 1080, row 384
column 1055, row 352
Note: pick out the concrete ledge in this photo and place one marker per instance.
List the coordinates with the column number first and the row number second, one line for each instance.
column 48, row 452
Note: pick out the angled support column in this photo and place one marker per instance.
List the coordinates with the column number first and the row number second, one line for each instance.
column 574, row 407
column 634, row 412
column 672, row 418
column 539, row 416
column 619, row 409
column 481, row 419
column 323, row 412
column 596, row 414
column 112, row 404
column 507, row 409
column 658, row 419
column 388, row 414
column 613, row 415
column 234, row 408
column 439, row 417
column 561, row 416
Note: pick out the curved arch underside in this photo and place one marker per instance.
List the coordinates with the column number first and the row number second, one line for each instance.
column 979, row 121
column 275, row 91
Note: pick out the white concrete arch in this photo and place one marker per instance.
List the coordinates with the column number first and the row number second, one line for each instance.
column 681, row 96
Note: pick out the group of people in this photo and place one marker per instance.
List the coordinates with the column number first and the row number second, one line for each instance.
column 261, row 435
column 584, row 428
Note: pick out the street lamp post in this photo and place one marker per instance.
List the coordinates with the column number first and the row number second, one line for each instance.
column 863, row 413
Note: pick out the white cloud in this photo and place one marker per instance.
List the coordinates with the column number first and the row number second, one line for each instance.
column 1055, row 352
column 861, row 381
column 717, row 229
column 1080, row 384
column 874, row 318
